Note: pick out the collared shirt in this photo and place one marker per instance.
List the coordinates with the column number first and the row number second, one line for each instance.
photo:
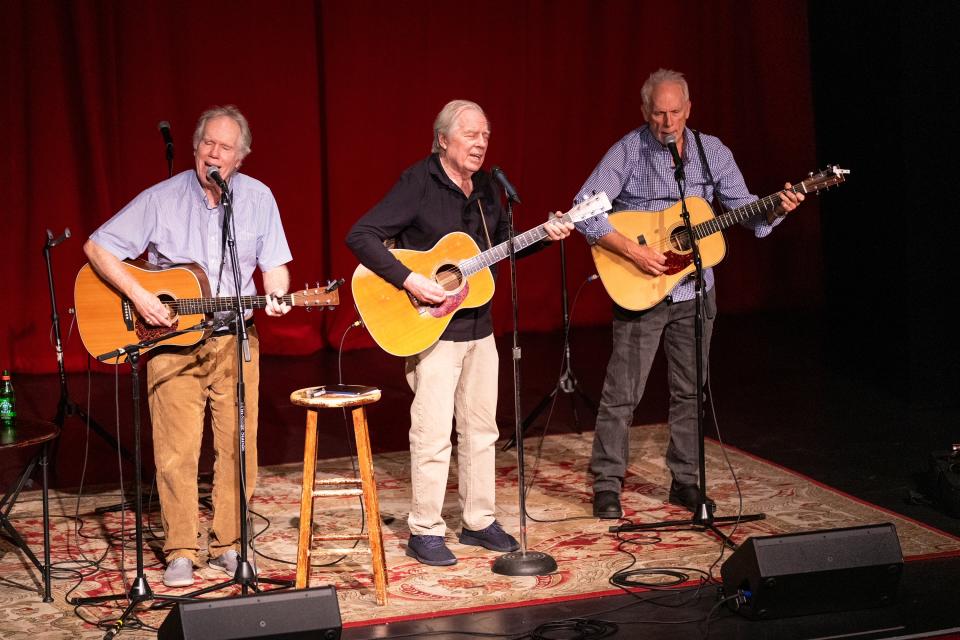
column 637, row 175
column 174, row 224
column 423, row 207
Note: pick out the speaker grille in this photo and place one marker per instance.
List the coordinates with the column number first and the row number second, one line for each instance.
column 278, row 615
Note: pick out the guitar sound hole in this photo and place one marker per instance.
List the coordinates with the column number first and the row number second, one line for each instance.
column 679, row 240
column 449, row 277
column 169, row 301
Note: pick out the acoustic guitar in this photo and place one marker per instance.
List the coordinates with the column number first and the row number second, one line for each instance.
column 108, row 321
column 666, row 232
column 401, row 324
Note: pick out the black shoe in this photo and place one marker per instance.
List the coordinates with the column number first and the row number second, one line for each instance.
column 606, row 505
column 688, row 496
column 492, row 537
column 430, row 550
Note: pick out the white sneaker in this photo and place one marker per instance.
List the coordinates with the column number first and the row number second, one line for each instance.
column 179, row 573
column 228, row 561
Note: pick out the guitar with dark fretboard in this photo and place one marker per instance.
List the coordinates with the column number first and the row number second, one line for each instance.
column 108, row 321
column 401, row 324
column 666, row 232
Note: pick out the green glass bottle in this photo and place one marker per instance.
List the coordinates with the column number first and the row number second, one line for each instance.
column 8, row 401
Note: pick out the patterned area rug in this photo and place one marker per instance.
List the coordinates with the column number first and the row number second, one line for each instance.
column 559, row 524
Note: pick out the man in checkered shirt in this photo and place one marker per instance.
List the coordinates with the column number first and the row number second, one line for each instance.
column 637, row 173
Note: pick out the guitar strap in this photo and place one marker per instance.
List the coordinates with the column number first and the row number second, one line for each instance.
column 706, row 169
column 223, row 255
column 483, row 219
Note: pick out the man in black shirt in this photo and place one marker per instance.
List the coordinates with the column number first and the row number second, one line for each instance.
column 443, row 193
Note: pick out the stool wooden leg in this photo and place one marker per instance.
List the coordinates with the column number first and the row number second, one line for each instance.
column 306, row 501
column 371, row 503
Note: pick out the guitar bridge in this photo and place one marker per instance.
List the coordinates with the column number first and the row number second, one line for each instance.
column 419, row 306
column 126, row 309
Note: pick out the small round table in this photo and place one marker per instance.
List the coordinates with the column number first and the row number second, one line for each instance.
column 26, row 433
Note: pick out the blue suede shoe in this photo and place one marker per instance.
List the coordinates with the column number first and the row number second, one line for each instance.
column 492, row 537
column 430, row 550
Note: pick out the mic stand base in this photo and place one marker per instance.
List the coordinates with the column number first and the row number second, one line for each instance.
column 524, row 563
column 702, row 520
column 245, row 578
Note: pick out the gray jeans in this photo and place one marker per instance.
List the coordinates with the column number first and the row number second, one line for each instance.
column 635, row 343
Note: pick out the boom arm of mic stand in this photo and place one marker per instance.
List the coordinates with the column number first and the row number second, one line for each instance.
column 140, row 346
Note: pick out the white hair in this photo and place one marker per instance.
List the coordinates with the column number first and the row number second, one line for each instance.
column 448, row 116
column 229, row 111
column 657, row 78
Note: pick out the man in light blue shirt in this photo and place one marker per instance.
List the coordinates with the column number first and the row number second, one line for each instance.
column 180, row 221
column 637, row 173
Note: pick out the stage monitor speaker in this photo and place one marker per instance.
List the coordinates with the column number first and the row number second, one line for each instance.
column 277, row 615
column 819, row 571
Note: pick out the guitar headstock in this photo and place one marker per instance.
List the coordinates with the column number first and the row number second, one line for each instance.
column 593, row 206
column 824, row 179
column 314, row 298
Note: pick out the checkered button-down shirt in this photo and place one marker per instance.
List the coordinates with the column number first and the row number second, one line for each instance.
column 637, row 175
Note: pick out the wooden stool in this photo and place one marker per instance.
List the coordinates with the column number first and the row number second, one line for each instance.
column 339, row 487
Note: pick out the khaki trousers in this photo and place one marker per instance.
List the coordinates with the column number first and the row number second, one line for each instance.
column 180, row 385
column 453, row 379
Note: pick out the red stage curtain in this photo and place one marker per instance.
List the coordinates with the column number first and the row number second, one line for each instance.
column 341, row 97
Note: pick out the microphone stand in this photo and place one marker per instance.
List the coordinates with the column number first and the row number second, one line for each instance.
column 703, row 517
column 244, row 575
column 522, row 562
column 567, row 383
column 65, row 406
column 140, row 589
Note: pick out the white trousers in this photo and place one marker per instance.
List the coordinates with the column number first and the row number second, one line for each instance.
column 453, row 379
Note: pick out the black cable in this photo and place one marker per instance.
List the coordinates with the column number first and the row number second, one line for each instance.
column 581, row 628
column 733, row 476
column 353, row 463
column 538, row 456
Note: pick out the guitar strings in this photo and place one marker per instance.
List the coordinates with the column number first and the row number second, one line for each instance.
column 681, row 241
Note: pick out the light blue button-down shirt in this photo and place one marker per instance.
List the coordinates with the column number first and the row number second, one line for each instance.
column 637, row 175
column 174, row 224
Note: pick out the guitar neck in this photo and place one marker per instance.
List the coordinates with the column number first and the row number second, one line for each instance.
column 502, row 251
column 191, row 306
column 740, row 214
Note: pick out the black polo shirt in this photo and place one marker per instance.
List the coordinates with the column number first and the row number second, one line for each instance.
column 423, row 207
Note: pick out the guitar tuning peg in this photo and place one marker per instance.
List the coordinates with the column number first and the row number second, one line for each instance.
column 317, row 285
column 305, row 285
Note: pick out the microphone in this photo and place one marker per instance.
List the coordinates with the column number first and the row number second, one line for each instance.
column 164, row 128
column 507, row 187
column 213, row 173
column 671, row 141
column 63, row 236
